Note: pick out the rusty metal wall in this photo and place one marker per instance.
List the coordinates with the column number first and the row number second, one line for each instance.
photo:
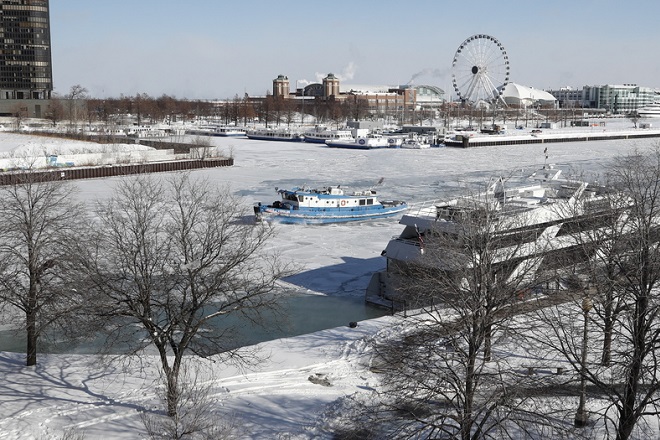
column 63, row 173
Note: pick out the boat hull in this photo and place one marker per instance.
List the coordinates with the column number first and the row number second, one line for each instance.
column 310, row 140
column 273, row 138
column 361, row 144
column 231, row 134
column 327, row 215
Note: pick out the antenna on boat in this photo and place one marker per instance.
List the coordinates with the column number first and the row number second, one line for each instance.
column 380, row 182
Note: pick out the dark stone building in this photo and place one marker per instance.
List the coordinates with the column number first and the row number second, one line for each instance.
column 26, row 76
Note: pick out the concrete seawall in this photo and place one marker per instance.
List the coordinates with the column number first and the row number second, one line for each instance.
column 97, row 172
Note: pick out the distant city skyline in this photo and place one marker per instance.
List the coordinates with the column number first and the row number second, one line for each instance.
column 207, row 49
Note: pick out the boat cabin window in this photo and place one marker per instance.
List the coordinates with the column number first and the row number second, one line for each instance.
column 366, row 202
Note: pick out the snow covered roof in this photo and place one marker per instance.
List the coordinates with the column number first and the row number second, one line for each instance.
column 518, row 94
column 364, row 89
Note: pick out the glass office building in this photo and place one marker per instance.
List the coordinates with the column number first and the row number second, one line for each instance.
column 25, row 56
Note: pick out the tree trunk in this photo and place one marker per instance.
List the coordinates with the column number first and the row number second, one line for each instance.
column 628, row 414
column 470, row 376
column 31, row 329
column 608, row 322
column 172, row 380
column 488, row 333
column 172, row 394
column 31, row 325
column 627, row 418
column 606, row 357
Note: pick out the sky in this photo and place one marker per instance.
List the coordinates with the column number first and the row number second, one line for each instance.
column 217, row 49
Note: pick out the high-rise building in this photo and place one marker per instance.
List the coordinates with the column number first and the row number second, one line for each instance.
column 25, row 55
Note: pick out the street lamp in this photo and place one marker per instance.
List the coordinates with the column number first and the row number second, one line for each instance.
column 302, row 112
column 581, row 415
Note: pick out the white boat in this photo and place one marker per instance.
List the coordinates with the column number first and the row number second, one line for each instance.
column 367, row 142
column 326, row 205
column 274, row 134
column 322, row 134
column 416, row 142
column 201, row 130
column 546, row 217
column 147, row 131
column 229, row 131
column 649, row 111
column 216, row 130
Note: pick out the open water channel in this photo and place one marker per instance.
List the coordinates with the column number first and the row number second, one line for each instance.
column 301, row 314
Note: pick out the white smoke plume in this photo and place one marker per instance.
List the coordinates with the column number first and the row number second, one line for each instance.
column 346, row 74
column 435, row 73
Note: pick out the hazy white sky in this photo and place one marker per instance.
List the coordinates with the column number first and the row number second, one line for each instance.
column 219, row 48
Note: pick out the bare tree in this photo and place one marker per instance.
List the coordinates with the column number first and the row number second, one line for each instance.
column 442, row 378
column 246, row 111
column 196, row 415
column 75, row 100
column 39, row 225
column 143, row 104
column 265, row 109
column 289, row 111
column 20, row 113
column 638, row 338
column 172, row 260
column 634, row 118
column 55, row 110
column 624, row 276
column 598, row 231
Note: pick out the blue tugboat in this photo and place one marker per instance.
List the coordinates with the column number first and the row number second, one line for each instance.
column 327, row 205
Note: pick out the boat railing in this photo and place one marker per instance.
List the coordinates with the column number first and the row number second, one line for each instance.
column 407, row 241
column 426, row 208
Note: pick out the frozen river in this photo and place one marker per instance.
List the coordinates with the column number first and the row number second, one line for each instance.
column 338, row 260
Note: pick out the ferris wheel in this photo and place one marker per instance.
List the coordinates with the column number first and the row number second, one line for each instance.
column 480, row 70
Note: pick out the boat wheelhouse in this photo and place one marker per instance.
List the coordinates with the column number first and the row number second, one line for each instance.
column 327, row 205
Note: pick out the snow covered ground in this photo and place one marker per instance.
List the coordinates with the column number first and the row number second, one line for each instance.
column 102, row 398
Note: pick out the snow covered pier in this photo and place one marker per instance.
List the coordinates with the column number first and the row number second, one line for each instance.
column 467, row 141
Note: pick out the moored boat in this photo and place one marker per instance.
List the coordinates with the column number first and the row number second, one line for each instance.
column 229, row 131
column 372, row 140
column 327, row 205
column 649, row 111
column 271, row 134
column 416, row 143
column 540, row 224
column 320, row 135
column 216, row 130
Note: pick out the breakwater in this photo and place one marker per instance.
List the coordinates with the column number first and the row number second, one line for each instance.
column 464, row 141
column 97, row 172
